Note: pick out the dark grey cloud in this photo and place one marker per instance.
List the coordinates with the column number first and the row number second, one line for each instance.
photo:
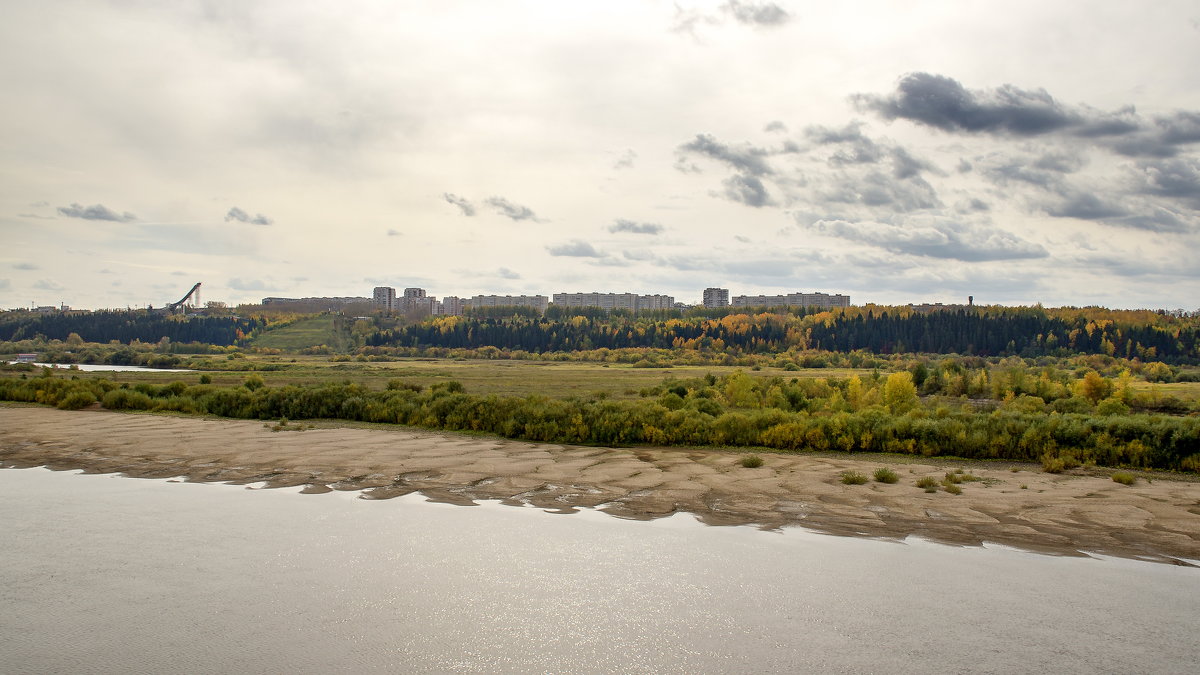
column 575, row 249
column 505, row 273
column 1060, row 162
column 463, row 204
column 622, row 225
column 775, row 127
column 935, row 237
column 95, row 212
column 746, row 159
column 854, row 147
column 756, row 13
column 876, row 190
column 1161, row 138
column 1005, row 170
column 974, row 204
column 748, row 190
column 25, row 266
column 1085, row 206
column 508, row 209
column 944, row 103
column 236, row 214
column 905, row 165
column 1177, row 179
column 1155, row 219
column 858, row 149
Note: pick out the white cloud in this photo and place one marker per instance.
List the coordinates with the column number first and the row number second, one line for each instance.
column 140, row 127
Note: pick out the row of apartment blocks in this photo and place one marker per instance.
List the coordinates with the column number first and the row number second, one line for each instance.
column 719, row 297
column 630, row 301
column 416, row 300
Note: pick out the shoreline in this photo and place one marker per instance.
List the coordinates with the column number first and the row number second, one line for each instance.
column 1063, row 514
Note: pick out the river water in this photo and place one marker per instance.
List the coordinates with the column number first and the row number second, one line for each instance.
column 107, row 574
column 101, row 367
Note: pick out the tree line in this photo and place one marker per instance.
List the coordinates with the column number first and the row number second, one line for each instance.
column 126, row 327
column 1027, row 332
column 1089, row 419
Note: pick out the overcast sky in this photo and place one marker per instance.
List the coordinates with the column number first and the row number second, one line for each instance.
column 1019, row 152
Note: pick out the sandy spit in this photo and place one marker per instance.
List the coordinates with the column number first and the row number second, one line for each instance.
column 1156, row 519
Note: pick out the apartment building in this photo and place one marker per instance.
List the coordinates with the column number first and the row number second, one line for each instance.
column 716, row 297
column 384, row 298
column 538, row 302
column 822, row 300
column 630, row 301
column 451, row 305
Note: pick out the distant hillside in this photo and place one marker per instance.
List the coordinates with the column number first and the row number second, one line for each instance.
column 326, row 329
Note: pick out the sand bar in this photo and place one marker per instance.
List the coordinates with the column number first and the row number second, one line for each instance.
column 1068, row 513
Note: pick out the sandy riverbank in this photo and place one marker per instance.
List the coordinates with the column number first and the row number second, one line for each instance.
column 1054, row 513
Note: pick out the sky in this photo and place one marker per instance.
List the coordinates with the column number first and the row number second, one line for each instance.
column 896, row 152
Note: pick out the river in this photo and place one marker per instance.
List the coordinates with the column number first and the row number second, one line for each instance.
column 102, row 367
column 115, row 575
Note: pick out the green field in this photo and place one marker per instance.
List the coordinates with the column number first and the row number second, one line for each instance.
column 557, row 379
column 323, row 329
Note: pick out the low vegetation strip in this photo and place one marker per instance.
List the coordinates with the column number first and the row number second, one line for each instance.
column 850, row 415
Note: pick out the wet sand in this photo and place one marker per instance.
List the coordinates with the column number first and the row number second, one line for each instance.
column 1157, row 519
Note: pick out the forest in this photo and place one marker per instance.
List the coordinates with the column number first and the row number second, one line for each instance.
column 125, row 327
column 1027, row 332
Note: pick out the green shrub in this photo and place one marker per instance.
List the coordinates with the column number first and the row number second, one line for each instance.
column 206, row 379
column 853, row 478
column 80, row 398
column 1053, row 464
column 886, row 475
column 928, row 483
column 1124, row 478
column 952, row 489
column 1112, row 406
column 952, row 478
column 752, row 461
column 127, row 399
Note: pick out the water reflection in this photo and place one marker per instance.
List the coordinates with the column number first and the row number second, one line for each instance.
column 113, row 574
